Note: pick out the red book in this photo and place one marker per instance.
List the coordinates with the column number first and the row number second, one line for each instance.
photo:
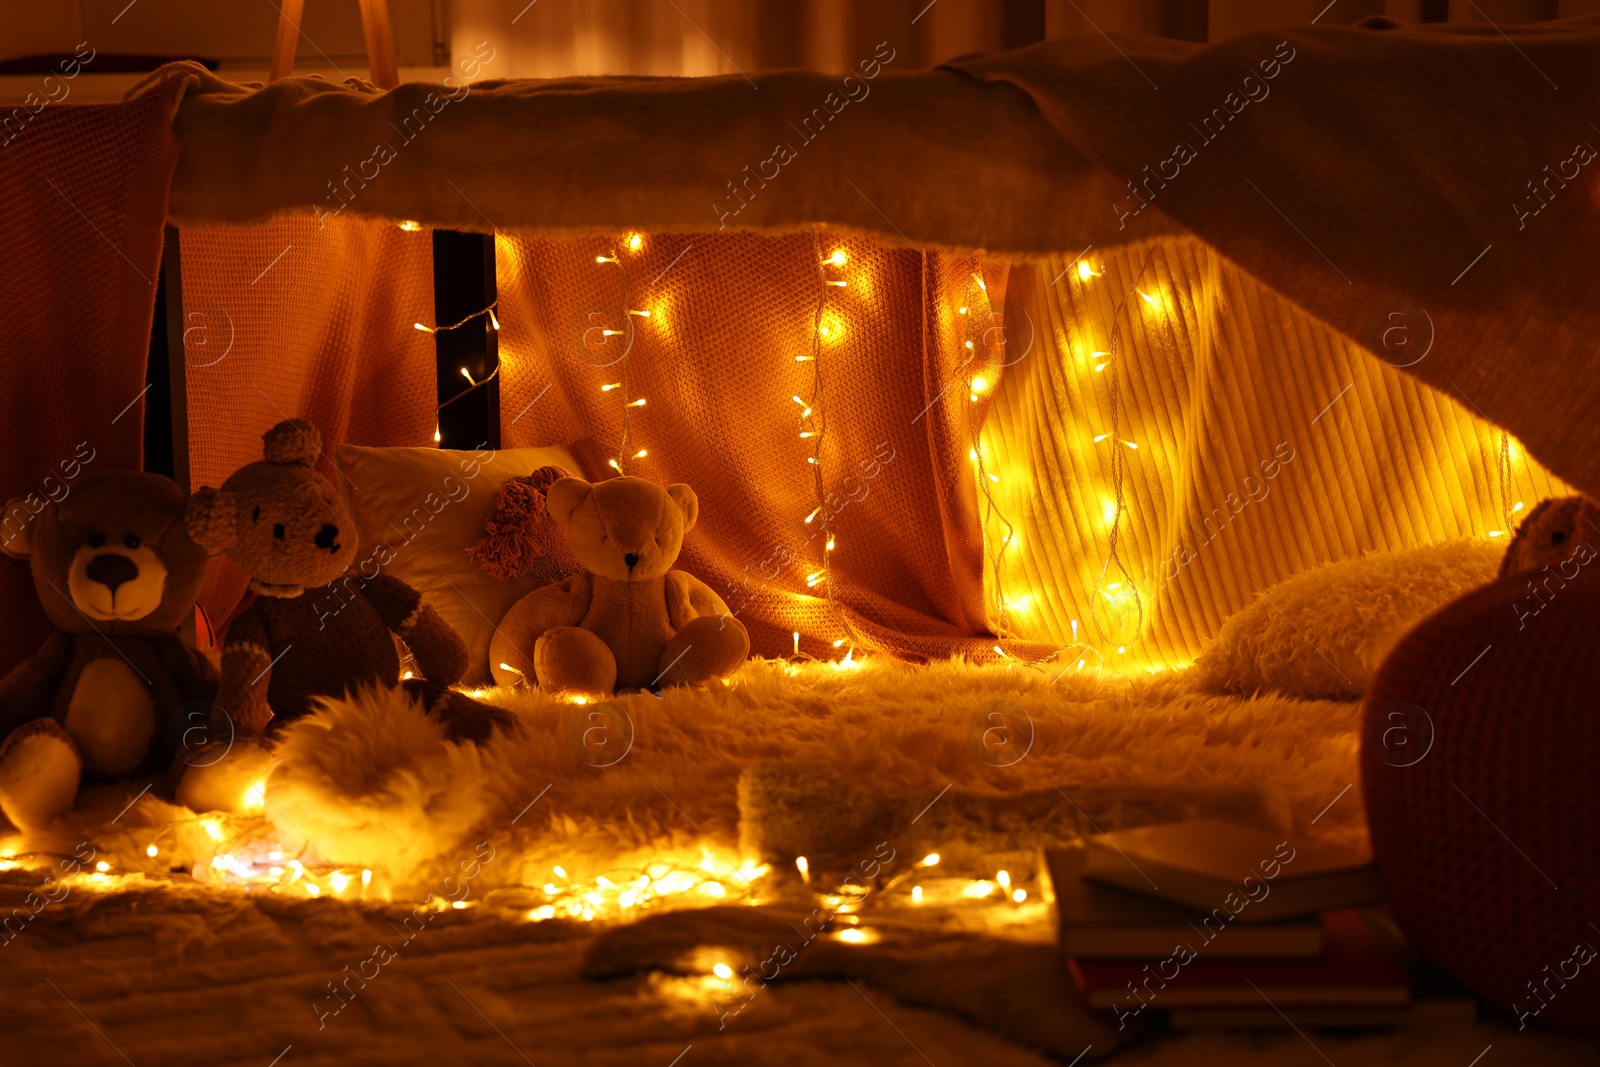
column 1355, row 970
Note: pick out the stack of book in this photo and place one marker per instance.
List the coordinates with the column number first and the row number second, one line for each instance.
column 1212, row 924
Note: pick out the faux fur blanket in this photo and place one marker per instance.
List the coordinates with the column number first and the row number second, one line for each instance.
column 974, row 762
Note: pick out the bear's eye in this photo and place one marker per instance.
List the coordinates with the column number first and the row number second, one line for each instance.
column 97, row 540
column 255, row 516
column 277, row 531
column 1559, row 537
column 131, row 540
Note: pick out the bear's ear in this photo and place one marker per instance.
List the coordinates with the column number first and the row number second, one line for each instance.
column 212, row 518
column 292, row 441
column 564, row 497
column 687, row 502
column 16, row 528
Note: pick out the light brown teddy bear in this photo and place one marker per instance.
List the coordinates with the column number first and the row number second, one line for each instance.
column 629, row 621
column 315, row 626
column 114, row 688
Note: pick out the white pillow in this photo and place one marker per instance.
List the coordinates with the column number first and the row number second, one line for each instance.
column 427, row 506
column 1322, row 633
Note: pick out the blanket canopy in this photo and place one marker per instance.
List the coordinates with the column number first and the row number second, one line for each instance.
column 1353, row 257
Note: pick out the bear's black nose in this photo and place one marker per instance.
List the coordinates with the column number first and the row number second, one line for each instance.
column 328, row 537
column 111, row 570
column 630, row 559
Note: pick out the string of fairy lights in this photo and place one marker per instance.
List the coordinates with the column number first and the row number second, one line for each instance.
column 813, row 429
column 623, row 386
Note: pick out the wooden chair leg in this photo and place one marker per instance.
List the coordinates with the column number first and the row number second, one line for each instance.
column 283, row 49
column 380, row 43
column 374, row 25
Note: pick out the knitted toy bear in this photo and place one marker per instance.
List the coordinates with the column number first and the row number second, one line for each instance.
column 109, row 691
column 628, row 621
column 316, row 626
column 1562, row 532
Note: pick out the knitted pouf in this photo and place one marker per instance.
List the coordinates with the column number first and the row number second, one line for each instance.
column 1480, row 763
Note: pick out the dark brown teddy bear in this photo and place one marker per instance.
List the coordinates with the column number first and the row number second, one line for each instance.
column 110, row 690
column 315, row 627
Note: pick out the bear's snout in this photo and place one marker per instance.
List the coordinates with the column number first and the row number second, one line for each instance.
column 631, row 559
column 111, row 570
column 327, row 538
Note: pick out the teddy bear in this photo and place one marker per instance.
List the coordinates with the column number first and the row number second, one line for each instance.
column 628, row 620
column 111, row 690
column 1562, row 532
column 314, row 626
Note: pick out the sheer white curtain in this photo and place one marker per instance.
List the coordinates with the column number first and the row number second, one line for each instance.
column 565, row 38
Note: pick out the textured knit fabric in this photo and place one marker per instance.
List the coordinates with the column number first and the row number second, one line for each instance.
column 720, row 361
column 328, row 639
column 295, row 320
column 1478, row 764
column 83, row 197
column 1268, row 444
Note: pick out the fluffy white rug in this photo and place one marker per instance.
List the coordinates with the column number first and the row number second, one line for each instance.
column 810, row 757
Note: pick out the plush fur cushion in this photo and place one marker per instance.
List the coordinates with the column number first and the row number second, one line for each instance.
column 424, row 507
column 1322, row 633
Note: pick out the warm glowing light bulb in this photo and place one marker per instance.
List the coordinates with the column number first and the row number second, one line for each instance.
column 420, row 326
column 1085, row 272
column 1019, row 895
column 409, row 226
column 151, row 851
column 801, row 864
column 830, row 543
column 635, row 242
column 993, row 477
column 493, row 322
column 972, row 454
column 637, row 403
column 722, row 971
column 614, row 465
column 465, row 373
column 837, row 259
column 606, row 388
column 314, row 889
column 1516, row 507
column 931, row 860
column 102, row 866
column 979, row 280
column 814, row 513
column 1101, row 437
column 916, row 894
column 561, row 872
column 840, row 283
column 605, row 259
column 436, row 437
column 1004, row 878
column 1153, row 301
column 979, row 384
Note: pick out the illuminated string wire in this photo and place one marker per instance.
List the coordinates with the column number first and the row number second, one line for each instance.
column 624, row 388
column 1120, row 447
column 986, row 481
column 813, row 423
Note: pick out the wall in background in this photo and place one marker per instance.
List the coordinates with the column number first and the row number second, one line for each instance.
column 555, row 38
